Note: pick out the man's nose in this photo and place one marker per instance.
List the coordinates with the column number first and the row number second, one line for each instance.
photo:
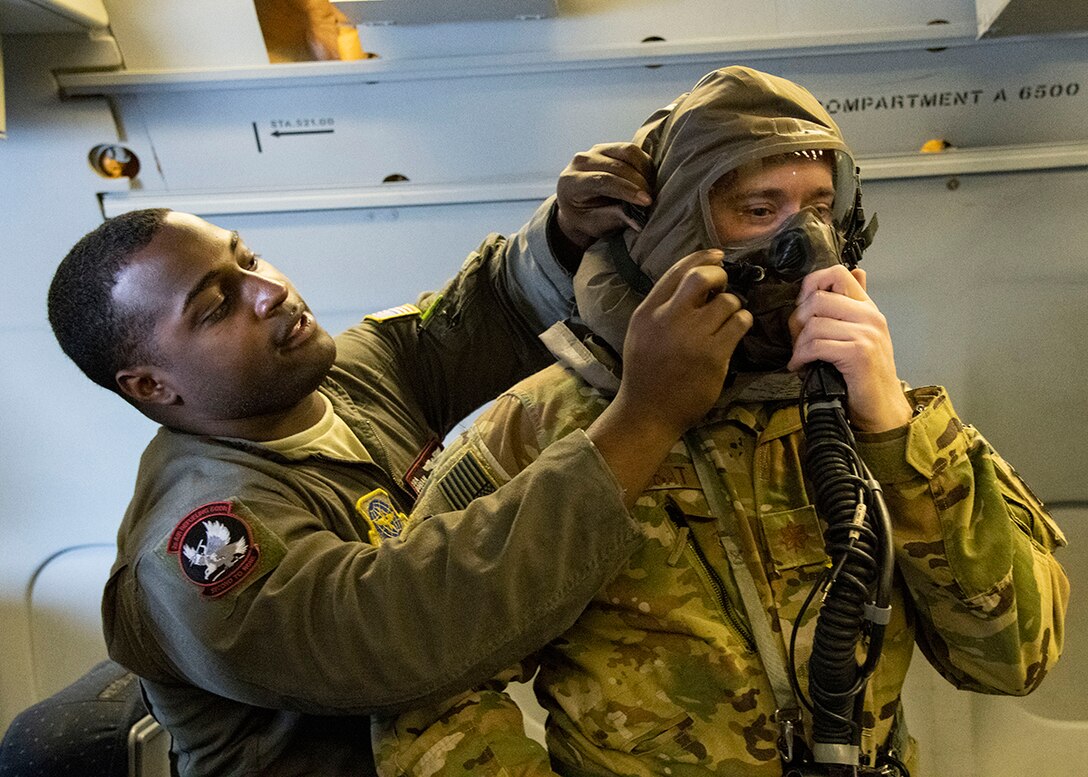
column 789, row 210
column 266, row 294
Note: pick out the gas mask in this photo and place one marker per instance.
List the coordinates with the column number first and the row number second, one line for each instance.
column 767, row 274
column 802, row 244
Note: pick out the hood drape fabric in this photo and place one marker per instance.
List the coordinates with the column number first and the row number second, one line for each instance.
column 732, row 116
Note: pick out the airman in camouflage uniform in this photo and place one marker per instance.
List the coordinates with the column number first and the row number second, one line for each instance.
column 662, row 675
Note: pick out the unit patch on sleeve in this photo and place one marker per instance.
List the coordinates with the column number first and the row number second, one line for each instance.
column 383, row 520
column 215, row 547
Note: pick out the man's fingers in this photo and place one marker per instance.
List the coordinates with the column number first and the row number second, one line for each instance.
column 701, row 284
column 727, row 319
column 607, row 218
column 666, row 286
column 734, row 328
column 699, row 299
column 592, row 186
column 837, row 279
column 618, row 170
column 615, row 187
column 630, row 155
column 861, row 278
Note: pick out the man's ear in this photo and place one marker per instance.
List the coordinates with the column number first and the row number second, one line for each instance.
column 146, row 385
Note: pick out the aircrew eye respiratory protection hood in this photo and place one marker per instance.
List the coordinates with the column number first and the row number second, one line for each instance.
column 733, row 117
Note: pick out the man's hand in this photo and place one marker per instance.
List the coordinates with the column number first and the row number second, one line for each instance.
column 593, row 187
column 680, row 340
column 837, row 322
column 675, row 359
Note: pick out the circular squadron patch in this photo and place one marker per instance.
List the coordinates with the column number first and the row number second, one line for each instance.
column 214, row 547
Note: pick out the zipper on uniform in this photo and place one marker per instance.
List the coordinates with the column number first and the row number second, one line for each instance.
column 680, row 519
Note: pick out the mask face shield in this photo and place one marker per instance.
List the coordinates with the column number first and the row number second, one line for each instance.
column 749, row 201
column 777, row 219
column 805, row 242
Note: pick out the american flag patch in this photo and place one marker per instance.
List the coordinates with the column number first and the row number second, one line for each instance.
column 466, row 480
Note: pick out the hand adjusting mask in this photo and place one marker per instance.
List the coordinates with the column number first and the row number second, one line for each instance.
column 767, row 275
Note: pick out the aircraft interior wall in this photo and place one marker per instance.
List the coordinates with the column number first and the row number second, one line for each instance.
column 982, row 271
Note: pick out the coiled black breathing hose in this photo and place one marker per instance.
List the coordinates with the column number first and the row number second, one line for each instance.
column 857, row 585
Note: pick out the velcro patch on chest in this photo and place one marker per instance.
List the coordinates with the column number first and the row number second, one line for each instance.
column 215, row 547
column 392, row 314
column 383, row 520
column 420, row 470
column 794, row 538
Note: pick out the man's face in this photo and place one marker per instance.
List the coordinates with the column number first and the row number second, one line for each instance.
column 754, row 201
column 231, row 336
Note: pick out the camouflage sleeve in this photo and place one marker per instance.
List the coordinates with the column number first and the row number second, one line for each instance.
column 479, row 733
column 974, row 546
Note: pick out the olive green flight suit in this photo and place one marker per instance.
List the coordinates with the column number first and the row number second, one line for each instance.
column 267, row 659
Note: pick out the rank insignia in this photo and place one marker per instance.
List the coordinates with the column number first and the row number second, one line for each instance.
column 391, row 314
column 383, row 520
column 794, row 538
column 215, row 548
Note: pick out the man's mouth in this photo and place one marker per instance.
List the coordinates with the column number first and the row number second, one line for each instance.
column 299, row 331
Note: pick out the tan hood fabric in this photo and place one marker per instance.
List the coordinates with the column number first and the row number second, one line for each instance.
column 732, row 116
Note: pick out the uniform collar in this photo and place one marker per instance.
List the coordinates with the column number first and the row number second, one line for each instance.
column 749, row 398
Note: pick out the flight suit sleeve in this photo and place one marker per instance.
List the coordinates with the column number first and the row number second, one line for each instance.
column 478, row 335
column 480, row 732
column 326, row 626
column 974, row 546
column 540, row 284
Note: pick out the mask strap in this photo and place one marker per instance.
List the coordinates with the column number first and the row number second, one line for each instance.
column 631, row 273
column 858, row 235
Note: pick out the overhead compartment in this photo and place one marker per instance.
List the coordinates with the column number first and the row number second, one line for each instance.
column 168, row 44
column 50, row 16
column 999, row 18
column 370, row 12
column 220, row 130
column 168, row 35
column 44, row 17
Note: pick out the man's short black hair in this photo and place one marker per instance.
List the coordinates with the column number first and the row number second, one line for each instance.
column 99, row 338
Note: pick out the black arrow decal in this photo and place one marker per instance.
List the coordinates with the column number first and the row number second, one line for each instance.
column 279, row 133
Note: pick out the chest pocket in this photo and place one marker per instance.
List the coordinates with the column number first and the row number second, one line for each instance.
column 793, row 542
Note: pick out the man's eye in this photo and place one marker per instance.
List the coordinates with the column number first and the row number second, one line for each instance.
column 254, row 260
column 217, row 313
column 759, row 211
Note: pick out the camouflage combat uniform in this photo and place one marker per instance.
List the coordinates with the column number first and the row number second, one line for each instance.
column 660, row 675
